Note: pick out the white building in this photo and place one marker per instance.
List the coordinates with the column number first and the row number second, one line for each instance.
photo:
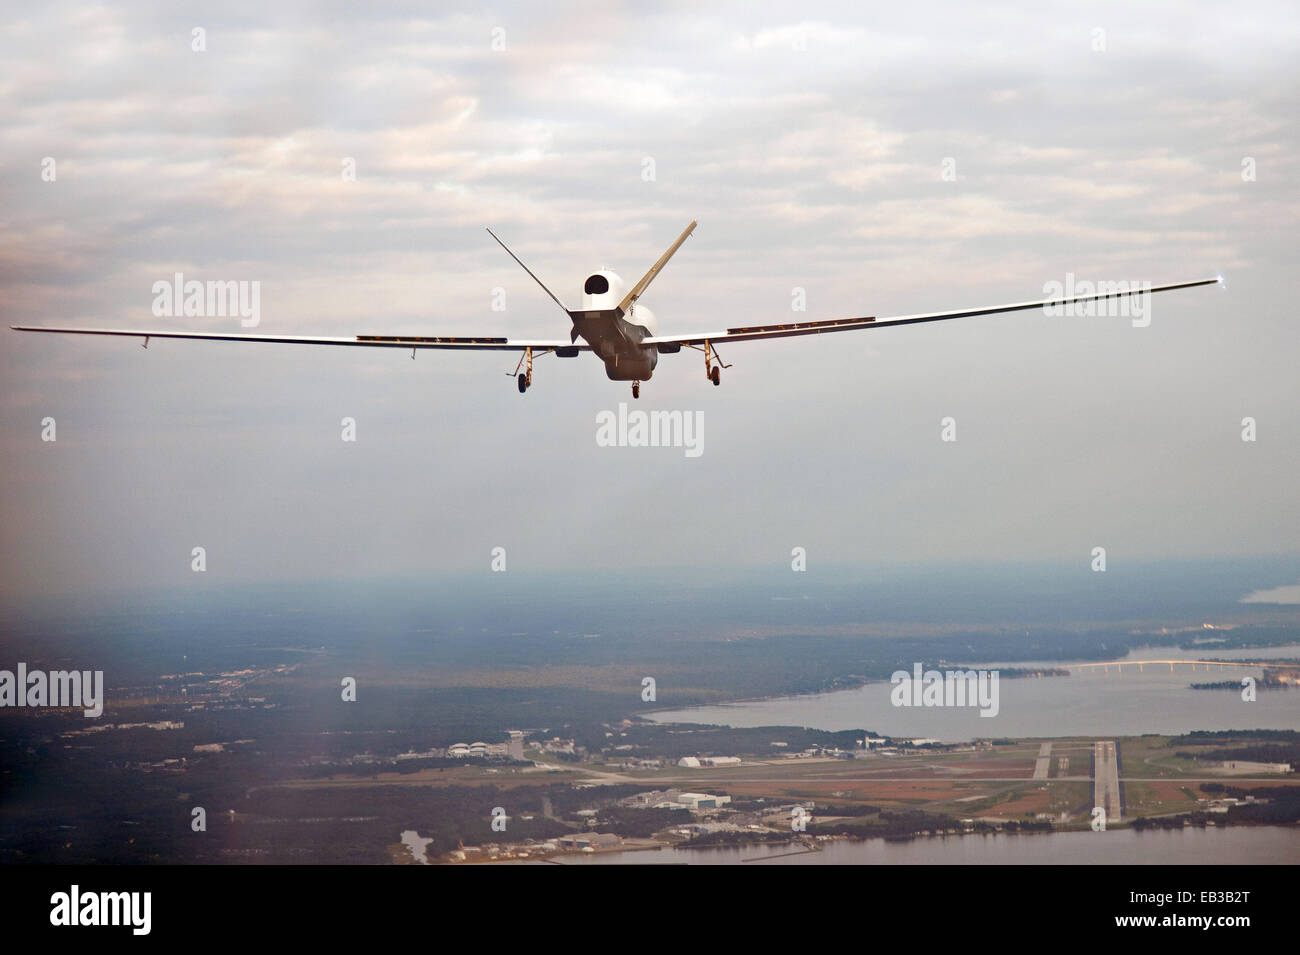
column 1246, row 766
column 702, row 800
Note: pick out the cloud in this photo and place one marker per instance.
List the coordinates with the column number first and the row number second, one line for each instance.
column 1278, row 595
column 808, row 146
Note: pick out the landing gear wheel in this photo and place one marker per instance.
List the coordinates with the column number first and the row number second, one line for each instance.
column 713, row 363
column 523, row 383
column 636, row 389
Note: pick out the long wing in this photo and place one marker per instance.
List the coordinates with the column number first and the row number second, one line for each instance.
column 791, row 329
column 372, row 341
column 666, row 342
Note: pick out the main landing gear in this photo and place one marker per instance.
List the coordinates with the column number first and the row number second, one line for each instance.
column 713, row 364
column 525, row 377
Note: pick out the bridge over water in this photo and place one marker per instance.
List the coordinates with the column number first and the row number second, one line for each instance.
column 1119, row 665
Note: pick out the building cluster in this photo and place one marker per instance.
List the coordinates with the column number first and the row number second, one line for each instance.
column 587, row 842
column 1282, row 677
column 882, row 746
column 513, row 748
column 223, row 685
column 590, row 840
column 1223, row 805
column 703, row 800
column 823, row 752
column 1233, row 766
column 428, row 754
column 633, row 762
column 557, row 745
column 697, row 762
column 675, row 799
column 103, row 727
column 477, row 750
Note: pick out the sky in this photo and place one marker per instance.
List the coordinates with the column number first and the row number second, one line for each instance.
column 884, row 160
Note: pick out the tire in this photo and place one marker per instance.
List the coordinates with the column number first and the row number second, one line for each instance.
column 523, row 383
column 716, row 374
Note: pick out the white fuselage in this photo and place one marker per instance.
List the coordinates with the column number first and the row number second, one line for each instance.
column 615, row 338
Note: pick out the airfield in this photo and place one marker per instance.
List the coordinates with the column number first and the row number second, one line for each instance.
column 1024, row 784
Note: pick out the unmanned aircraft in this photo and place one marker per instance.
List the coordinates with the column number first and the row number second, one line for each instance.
column 624, row 334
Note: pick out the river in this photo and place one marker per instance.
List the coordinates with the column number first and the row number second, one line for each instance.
column 1257, row 845
column 1127, row 703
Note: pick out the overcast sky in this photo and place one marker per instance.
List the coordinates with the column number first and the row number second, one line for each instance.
column 810, row 143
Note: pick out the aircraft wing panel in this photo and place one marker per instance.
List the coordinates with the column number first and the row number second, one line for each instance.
column 792, row 329
column 481, row 343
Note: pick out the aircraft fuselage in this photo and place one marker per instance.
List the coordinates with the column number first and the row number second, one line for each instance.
column 617, row 342
column 615, row 338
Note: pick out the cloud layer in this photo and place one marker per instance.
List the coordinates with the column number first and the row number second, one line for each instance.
column 812, row 150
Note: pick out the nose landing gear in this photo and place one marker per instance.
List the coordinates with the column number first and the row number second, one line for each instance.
column 636, row 389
